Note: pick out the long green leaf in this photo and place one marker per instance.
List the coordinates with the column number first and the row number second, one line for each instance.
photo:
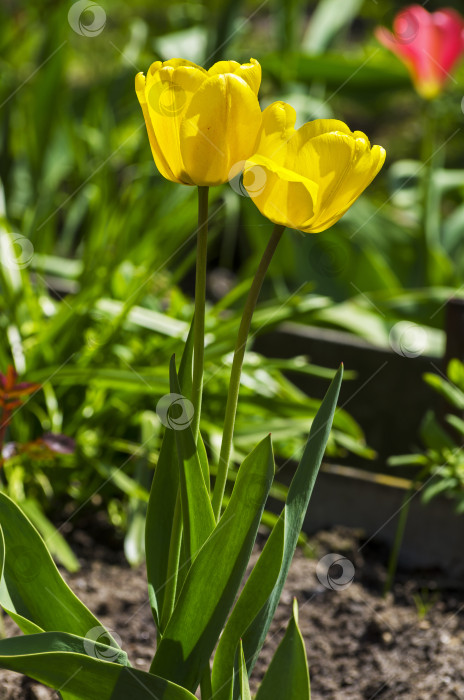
column 293, row 513
column 287, row 676
column 32, row 590
column 197, row 513
column 77, row 668
column 258, row 588
column 215, row 576
column 162, row 545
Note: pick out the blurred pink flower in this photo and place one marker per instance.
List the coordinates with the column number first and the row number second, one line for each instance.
column 429, row 43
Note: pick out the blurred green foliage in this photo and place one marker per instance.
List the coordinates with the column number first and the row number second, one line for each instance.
column 102, row 298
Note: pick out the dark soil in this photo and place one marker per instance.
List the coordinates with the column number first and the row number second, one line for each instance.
column 360, row 646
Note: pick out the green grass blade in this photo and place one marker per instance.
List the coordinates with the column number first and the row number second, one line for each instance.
column 258, row 588
column 294, row 513
column 215, row 576
column 162, row 546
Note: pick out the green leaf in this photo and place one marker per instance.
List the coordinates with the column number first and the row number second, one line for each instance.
column 215, row 576
column 287, row 676
column 162, row 546
column 337, row 69
column 450, row 392
column 433, row 435
column 32, row 591
column 329, row 17
column 245, row 693
column 456, row 422
column 258, row 588
column 77, row 667
column 197, row 513
column 293, row 515
column 438, row 486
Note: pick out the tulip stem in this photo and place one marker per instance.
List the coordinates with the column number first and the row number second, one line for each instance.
column 236, row 371
column 200, row 300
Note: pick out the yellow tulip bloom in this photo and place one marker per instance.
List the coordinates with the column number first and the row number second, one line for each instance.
column 307, row 179
column 200, row 123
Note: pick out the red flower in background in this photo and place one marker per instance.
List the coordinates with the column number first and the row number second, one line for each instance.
column 429, row 43
column 12, row 394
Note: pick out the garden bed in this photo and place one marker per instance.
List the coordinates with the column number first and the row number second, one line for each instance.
column 359, row 645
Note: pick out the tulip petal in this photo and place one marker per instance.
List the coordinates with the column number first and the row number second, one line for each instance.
column 160, row 161
column 450, row 26
column 169, row 90
column 317, row 127
column 277, row 129
column 250, row 72
column 365, row 166
column 429, row 43
column 283, row 196
column 325, row 159
column 219, row 128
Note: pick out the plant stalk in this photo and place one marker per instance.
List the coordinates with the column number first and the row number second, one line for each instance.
column 399, row 534
column 236, row 371
column 200, row 300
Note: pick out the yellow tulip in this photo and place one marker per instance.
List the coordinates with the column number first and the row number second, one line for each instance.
column 307, row 179
column 200, row 123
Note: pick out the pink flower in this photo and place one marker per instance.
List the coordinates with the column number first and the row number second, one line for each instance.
column 429, row 43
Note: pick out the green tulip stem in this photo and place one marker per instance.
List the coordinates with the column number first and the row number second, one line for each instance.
column 236, row 371
column 200, row 299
